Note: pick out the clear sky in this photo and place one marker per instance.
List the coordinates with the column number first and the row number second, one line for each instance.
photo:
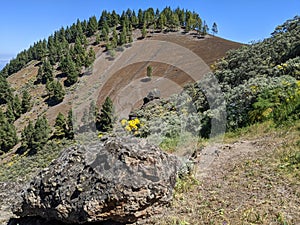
column 23, row 22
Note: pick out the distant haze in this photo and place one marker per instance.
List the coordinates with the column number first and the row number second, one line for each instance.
column 4, row 59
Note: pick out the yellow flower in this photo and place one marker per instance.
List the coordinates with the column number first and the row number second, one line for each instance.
column 100, row 135
column 137, row 121
column 279, row 67
column 285, row 83
column 10, row 163
column 128, row 128
column 267, row 112
column 123, row 122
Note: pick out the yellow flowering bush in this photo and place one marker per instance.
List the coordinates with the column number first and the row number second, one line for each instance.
column 100, row 135
column 131, row 126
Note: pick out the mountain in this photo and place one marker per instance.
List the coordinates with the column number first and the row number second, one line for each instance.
column 160, row 76
column 66, row 70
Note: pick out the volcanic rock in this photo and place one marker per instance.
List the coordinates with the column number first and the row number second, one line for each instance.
column 119, row 179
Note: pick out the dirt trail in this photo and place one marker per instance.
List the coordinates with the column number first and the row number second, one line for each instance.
column 216, row 157
column 239, row 183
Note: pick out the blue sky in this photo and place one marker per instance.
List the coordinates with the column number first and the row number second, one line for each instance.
column 24, row 22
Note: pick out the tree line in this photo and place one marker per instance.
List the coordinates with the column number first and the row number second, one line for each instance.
column 68, row 51
column 56, row 47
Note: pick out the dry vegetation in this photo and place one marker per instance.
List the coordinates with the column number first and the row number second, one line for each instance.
column 253, row 180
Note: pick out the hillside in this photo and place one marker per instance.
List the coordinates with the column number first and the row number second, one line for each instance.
column 51, row 72
column 231, row 110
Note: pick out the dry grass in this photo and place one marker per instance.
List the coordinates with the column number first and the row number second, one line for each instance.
column 259, row 186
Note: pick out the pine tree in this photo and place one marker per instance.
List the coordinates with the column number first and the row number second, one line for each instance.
column 214, row 29
column 134, row 19
column 106, row 27
column 98, row 39
column 199, row 25
column 39, row 76
column 181, row 16
column 114, row 40
column 84, row 25
column 91, row 56
column 41, row 135
column 68, row 66
column 114, row 19
column 188, row 21
column 9, row 114
column 60, row 126
column 92, row 26
column 103, row 19
column 52, row 50
column 55, row 92
column 8, row 134
column 204, row 29
column 162, row 21
column 122, row 38
column 106, row 118
column 175, row 23
column 26, row 101
column 78, row 53
column 141, row 17
column 45, row 72
column 16, row 106
column 104, row 35
column 5, row 91
column 70, row 128
column 149, row 71
column 144, row 31
column 27, row 136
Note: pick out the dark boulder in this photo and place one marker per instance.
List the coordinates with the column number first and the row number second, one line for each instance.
column 119, row 179
column 152, row 95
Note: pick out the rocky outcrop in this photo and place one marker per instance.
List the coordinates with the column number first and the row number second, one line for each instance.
column 118, row 179
column 154, row 94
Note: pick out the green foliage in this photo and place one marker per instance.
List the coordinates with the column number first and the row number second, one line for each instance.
column 92, row 26
column 91, row 56
column 70, row 128
column 106, row 118
column 114, row 40
column 78, row 53
column 122, row 38
column 57, row 46
column 45, row 72
column 69, row 67
column 7, row 133
column 280, row 104
column 62, row 127
column 185, row 184
column 5, row 91
column 35, row 137
column 9, row 114
column 26, row 101
column 14, row 109
column 25, row 166
column 257, row 91
column 55, row 92
column 149, row 71
column 144, row 31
